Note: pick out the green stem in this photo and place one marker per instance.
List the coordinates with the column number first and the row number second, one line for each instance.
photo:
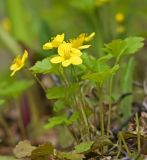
column 82, row 103
column 85, row 119
column 63, row 76
column 74, row 135
column 138, row 133
column 110, row 107
column 38, row 80
column 101, row 113
column 66, row 82
column 119, row 148
column 124, row 142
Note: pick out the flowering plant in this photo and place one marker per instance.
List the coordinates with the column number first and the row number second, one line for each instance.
column 82, row 84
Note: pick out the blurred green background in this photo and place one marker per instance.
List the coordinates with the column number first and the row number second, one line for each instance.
column 28, row 24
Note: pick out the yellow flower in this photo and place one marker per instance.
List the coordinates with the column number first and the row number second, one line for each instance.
column 120, row 29
column 54, row 43
column 67, row 55
column 119, row 17
column 18, row 62
column 79, row 41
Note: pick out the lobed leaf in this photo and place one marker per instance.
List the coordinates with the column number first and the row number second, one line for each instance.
column 100, row 77
column 55, row 121
column 44, row 66
column 127, row 46
column 116, row 47
column 63, row 119
column 59, row 105
column 133, row 44
column 83, row 147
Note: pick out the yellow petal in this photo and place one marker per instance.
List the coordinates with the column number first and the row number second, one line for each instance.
column 76, row 52
column 12, row 74
column 58, row 40
column 84, row 46
column 75, row 60
column 90, row 37
column 56, row 59
column 59, row 37
column 82, row 35
column 13, row 67
column 66, row 63
column 77, row 42
column 25, row 56
column 64, row 49
column 18, row 62
column 47, row 46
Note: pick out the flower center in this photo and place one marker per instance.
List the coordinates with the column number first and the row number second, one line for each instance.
column 18, row 62
column 67, row 56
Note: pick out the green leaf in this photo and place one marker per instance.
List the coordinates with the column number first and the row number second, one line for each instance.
column 101, row 141
column 72, row 119
column 100, row 77
column 83, row 147
column 63, row 119
column 59, row 105
column 43, row 152
column 62, row 91
column 120, row 47
column 105, row 58
column 133, row 44
column 116, row 47
column 43, row 66
column 70, row 156
column 55, row 121
column 126, row 86
column 56, row 92
column 23, row 149
column 95, row 65
column 72, row 89
column 88, row 60
column 15, row 88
